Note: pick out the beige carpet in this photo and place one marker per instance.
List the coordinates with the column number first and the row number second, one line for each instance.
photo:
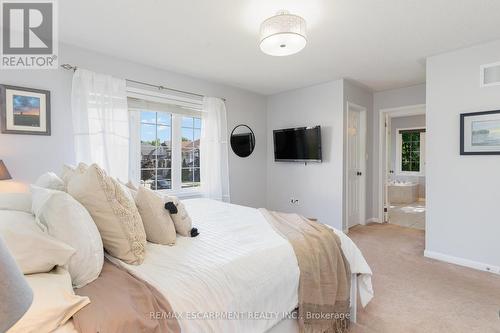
column 416, row 294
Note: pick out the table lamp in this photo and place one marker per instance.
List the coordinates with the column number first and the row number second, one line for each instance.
column 4, row 173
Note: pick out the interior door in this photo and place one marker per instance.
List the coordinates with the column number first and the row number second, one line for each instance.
column 388, row 173
column 356, row 154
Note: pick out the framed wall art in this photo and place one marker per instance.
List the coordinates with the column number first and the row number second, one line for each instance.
column 480, row 133
column 24, row 110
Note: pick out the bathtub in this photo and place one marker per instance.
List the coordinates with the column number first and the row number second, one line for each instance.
column 402, row 192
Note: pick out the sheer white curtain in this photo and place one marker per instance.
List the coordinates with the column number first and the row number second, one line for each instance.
column 214, row 150
column 101, row 122
column 134, row 164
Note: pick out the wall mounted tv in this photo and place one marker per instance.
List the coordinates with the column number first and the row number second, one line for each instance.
column 302, row 144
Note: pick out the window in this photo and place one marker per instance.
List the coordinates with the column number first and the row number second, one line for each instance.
column 156, row 150
column 191, row 130
column 411, row 157
column 170, row 150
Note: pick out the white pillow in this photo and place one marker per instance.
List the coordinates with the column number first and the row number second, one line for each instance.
column 34, row 250
column 52, row 181
column 16, row 201
column 54, row 302
column 67, row 220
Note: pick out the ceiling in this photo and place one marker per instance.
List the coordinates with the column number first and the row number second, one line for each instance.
column 382, row 44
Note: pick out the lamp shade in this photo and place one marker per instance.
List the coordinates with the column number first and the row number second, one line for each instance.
column 283, row 34
column 15, row 293
column 4, row 173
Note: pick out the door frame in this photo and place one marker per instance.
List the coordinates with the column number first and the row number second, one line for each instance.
column 402, row 111
column 362, row 195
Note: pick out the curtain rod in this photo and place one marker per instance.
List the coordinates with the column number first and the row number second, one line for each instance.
column 74, row 68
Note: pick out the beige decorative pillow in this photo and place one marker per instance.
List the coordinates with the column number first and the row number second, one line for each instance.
column 114, row 212
column 69, row 171
column 54, row 302
column 182, row 220
column 130, row 186
column 156, row 219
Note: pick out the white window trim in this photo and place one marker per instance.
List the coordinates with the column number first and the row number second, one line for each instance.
column 399, row 145
column 195, row 109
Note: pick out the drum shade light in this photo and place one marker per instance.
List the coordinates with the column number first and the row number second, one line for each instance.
column 283, row 34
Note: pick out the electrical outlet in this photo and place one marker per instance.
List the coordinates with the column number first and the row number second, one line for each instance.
column 294, row 201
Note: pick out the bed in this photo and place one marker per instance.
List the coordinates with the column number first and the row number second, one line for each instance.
column 238, row 275
column 237, row 268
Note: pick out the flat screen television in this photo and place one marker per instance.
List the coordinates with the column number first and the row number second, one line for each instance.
column 302, row 144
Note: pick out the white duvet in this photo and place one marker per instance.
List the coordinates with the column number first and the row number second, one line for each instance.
column 238, row 275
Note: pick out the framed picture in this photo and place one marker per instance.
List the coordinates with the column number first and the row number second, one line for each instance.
column 24, row 110
column 480, row 133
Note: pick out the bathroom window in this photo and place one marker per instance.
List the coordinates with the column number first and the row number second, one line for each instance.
column 411, row 151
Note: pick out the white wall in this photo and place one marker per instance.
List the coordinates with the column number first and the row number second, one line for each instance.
column 318, row 186
column 28, row 156
column 395, row 98
column 463, row 192
column 399, row 123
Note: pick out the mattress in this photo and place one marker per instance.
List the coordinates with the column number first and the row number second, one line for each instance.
column 238, row 275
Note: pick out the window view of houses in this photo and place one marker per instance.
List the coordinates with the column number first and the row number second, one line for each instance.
column 191, row 131
column 156, row 151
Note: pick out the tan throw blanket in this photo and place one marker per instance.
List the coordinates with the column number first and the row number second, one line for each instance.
column 120, row 302
column 324, row 285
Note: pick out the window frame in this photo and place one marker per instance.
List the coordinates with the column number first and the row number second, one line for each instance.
column 193, row 108
column 399, row 151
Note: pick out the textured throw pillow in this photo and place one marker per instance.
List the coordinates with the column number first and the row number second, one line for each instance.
column 156, row 219
column 180, row 216
column 114, row 212
column 67, row 220
column 51, row 181
column 54, row 303
column 33, row 250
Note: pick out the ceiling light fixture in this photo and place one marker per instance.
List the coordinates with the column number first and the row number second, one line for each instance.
column 283, row 34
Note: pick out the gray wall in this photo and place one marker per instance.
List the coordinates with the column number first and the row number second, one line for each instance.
column 317, row 186
column 384, row 100
column 463, row 211
column 406, row 122
column 28, row 156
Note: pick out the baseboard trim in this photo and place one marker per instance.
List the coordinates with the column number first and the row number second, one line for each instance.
column 462, row 262
column 372, row 220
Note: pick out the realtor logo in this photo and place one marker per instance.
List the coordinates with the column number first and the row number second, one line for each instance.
column 29, row 34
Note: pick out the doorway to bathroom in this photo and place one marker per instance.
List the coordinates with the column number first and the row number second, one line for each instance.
column 402, row 173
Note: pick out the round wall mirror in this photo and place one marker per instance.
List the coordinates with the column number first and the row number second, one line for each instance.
column 242, row 140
